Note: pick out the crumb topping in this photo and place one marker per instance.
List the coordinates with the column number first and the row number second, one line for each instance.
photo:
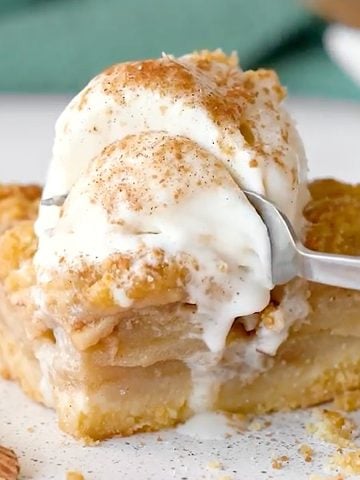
column 18, row 203
column 18, row 210
column 337, row 205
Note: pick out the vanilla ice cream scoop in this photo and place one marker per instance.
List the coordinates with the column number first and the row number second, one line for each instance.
column 154, row 156
column 205, row 97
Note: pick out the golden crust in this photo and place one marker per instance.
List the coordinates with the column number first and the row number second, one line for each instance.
column 89, row 289
column 18, row 202
column 18, row 244
column 18, row 210
column 333, row 217
column 17, row 361
column 144, row 407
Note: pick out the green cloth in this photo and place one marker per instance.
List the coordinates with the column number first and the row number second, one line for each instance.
column 58, row 45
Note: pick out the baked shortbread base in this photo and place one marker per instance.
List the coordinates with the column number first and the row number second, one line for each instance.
column 136, row 377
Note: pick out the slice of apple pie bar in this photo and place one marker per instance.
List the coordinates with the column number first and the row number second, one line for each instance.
column 138, row 291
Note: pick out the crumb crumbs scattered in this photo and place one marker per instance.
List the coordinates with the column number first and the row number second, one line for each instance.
column 74, row 476
column 332, row 426
column 348, row 461
column 214, row 464
column 225, row 477
column 306, row 452
column 237, row 421
column 159, row 439
column 258, row 424
column 31, row 429
column 278, row 462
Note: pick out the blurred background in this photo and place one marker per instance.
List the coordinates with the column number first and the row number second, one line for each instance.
column 49, row 49
column 58, row 45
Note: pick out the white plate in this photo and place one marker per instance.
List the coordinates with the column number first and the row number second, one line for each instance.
column 330, row 131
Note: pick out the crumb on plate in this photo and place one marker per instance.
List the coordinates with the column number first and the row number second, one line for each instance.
column 332, row 426
column 72, row 475
column 347, row 461
column 306, row 452
column 236, row 421
column 214, row 464
column 258, row 424
column 278, row 462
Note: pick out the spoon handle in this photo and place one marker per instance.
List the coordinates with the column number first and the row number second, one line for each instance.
column 330, row 269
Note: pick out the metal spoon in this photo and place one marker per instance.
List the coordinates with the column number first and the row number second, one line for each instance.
column 290, row 258
column 57, row 200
